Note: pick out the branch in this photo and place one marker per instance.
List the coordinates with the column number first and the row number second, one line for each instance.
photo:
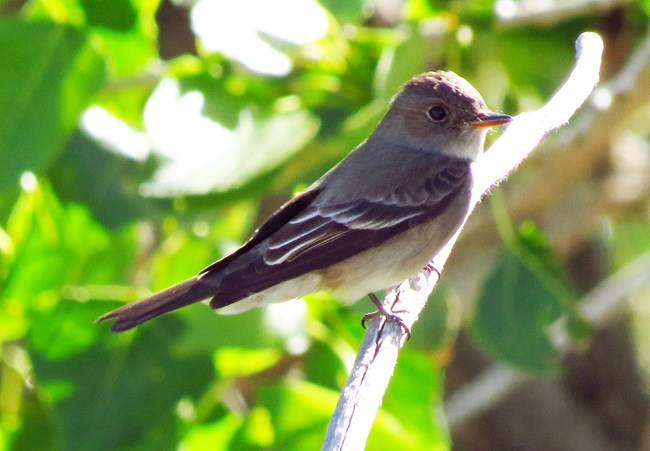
column 373, row 368
column 525, row 13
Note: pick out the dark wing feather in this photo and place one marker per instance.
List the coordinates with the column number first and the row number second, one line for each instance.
column 270, row 226
column 322, row 234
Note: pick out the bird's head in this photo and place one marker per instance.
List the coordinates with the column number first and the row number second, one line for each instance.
column 440, row 112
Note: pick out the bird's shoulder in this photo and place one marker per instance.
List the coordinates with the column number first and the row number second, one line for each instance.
column 394, row 175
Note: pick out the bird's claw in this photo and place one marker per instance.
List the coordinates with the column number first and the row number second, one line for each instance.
column 391, row 316
column 382, row 312
column 429, row 267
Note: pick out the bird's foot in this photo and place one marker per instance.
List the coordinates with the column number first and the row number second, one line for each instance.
column 431, row 268
column 382, row 311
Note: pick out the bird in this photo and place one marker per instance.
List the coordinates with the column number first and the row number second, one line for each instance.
column 373, row 220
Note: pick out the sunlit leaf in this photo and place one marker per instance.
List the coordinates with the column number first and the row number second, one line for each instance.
column 50, row 252
column 408, row 417
column 256, row 146
column 232, row 362
column 299, row 431
column 215, row 436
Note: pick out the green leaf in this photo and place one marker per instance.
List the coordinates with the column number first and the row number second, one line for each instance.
column 66, row 329
column 37, row 430
column 346, row 10
column 207, row 330
column 322, row 365
column 409, row 418
column 629, row 240
column 113, row 198
column 520, row 299
column 60, row 245
column 645, row 8
column 299, row 412
column 120, row 16
column 49, row 252
column 57, row 260
column 125, row 34
column 236, row 362
column 125, row 393
column 215, row 435
column 50, row 72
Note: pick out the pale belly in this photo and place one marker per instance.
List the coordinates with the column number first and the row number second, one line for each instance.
column 385, row 266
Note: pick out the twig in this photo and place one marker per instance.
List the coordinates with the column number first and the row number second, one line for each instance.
column 605, row 301
column 484, row 391
column 373, row 368
column 531, row 12
column 598, row 307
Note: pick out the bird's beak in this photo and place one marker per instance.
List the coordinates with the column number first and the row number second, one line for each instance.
column 490, row 119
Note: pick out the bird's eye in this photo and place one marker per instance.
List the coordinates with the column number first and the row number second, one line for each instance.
column 437, row 113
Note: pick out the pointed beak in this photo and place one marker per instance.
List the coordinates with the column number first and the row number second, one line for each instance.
column 490, row 119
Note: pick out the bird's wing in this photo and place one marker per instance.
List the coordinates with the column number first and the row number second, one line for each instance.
column 274, row 223
column 324, row 233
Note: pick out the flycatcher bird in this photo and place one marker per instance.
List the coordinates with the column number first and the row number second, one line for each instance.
column 373, row 220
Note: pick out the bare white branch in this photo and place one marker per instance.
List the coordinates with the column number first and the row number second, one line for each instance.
column 373, row 368
column 535, row 12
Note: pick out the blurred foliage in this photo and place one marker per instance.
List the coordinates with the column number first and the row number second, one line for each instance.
column 523, row 295
column 122, row 172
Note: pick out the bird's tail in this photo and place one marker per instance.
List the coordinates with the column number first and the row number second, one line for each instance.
column 175, row 297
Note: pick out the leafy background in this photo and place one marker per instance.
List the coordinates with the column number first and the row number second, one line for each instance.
column 141, row 141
